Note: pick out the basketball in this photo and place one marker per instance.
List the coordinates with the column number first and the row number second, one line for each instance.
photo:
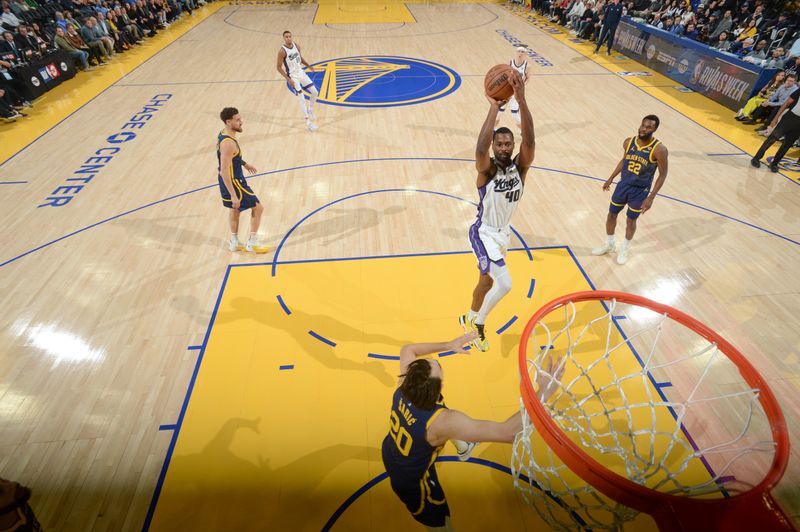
column 497, row 83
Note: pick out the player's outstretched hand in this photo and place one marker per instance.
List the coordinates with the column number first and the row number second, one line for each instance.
column 607, row 185
column 459, row 345
column 549, row 376
column 250, row 169
column 518, row 85
column 496, row 103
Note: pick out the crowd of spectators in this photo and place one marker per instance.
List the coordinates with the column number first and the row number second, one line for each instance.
column 757, row 32
column 92, row 32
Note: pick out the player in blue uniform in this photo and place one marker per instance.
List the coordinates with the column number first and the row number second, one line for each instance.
column 236, row 193
column 643, row 156
column 420, row 424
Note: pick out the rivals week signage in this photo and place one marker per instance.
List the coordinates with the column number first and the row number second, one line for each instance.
column 719, row 76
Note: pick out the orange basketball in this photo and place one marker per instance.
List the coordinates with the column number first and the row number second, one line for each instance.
column 496, row 82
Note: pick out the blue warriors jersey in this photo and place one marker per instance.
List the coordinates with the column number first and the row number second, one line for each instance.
column 410, row 455
column 639, row 164
column 236, row 163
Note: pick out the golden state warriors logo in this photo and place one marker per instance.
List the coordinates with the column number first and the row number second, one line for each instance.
column 381, row 81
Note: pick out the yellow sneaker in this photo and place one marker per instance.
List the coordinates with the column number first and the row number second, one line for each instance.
column 480, row 343
column 255, row 247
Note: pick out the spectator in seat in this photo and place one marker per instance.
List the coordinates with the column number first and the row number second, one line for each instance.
column 13, row 87
column 747, row 32
column 27, row 44
column 80, row 56
column 766, row 91
column 758, row 54
column 723, row 44
column 8, row 18
column 123, row 21
column 724, row 25
column 94, row 38
column 9, row 50
column 766, row 111
column 95, row 52
column 691, row 32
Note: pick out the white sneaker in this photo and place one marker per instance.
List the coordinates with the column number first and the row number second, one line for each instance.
column 311, row 125
column 608, row 247
column 255, row 247
column 622, row 256
column 235, row 245
column 466, row 454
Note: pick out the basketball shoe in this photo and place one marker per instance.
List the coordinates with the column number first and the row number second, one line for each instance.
column 480, row 343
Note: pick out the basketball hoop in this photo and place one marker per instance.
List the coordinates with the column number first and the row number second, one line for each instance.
column 663, row 417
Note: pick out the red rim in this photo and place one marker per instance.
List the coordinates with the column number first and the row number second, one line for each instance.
column 668, row 510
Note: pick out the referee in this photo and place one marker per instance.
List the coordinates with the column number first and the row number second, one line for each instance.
column 788, row 128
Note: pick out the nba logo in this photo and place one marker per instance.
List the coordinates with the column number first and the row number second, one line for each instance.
column 54, row 73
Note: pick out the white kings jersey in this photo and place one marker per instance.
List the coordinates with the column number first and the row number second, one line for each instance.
column 521, row 69
column 499, row 198
column 292, row 60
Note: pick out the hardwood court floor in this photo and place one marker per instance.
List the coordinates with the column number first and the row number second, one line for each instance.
column 105, row 297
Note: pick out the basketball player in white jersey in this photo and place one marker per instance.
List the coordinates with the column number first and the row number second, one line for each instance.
column 520, row 64
column 290, row 66
column 500, row 184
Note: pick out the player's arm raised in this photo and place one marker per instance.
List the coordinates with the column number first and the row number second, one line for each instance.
column 409, row 353
column 662, row 158
column 226, row 150
column 483, row 161
column 528, row 144
column 618, row 169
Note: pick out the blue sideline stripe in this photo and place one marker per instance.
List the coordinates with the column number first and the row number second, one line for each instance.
column 194, row 348
column 322, row 339
column 167, row 427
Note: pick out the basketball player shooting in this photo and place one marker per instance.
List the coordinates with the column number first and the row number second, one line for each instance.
column 290, row 66
column 500, row 183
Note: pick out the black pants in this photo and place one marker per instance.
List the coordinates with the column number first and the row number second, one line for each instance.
column 764, row 113
column 606, row 33
column 789, row 129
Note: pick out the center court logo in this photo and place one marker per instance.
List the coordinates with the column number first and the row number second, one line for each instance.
column 381, row 81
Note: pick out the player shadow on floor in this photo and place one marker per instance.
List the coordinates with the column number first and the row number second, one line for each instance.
column 298, row 326
column 222, row 490
column 166, row 236
column 344, row 224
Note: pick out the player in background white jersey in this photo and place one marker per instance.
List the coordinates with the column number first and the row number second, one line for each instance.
column 520, row 64
column 500, row 184
column 290, row 66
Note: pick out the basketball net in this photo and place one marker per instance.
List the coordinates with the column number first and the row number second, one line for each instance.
column 652, row 420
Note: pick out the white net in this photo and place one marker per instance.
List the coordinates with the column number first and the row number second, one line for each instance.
column 652, row 400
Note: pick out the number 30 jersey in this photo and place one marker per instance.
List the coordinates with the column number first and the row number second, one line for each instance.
column 407, row 454
column 639, row 165
column 499, row 197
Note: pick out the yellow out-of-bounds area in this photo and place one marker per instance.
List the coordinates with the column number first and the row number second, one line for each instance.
column 373, row 11
column 290, row 405
column 713, row 116
column 361, row 12
column 57, row 104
